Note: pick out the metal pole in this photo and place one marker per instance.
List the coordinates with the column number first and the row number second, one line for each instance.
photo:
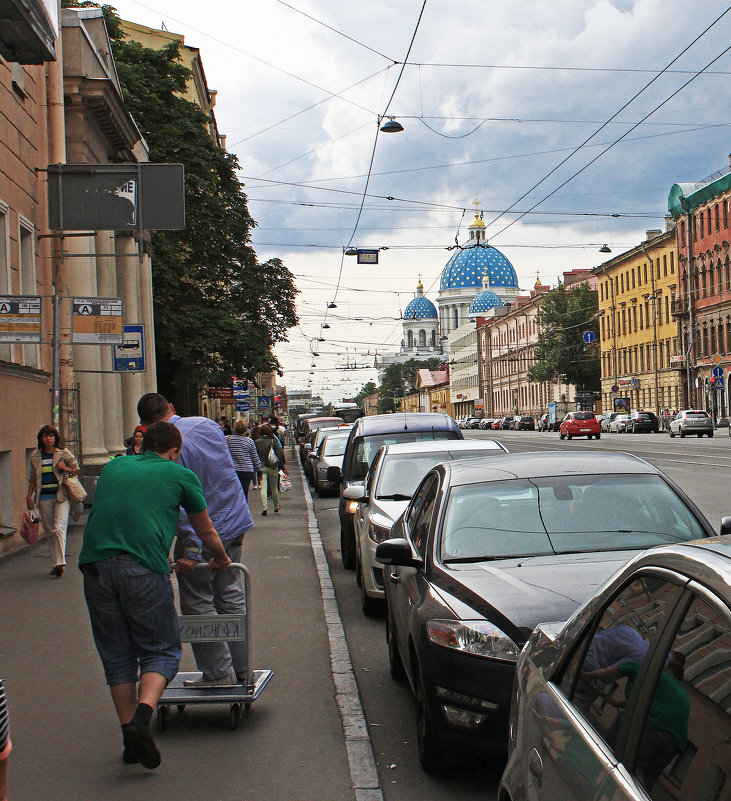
column 653, row 298
column 56, row 350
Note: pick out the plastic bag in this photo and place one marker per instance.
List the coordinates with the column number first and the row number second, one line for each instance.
column 285, row 483
column 30, row 527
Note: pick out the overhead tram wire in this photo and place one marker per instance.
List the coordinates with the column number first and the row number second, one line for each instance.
column 613, row 117
column 540, row 68
column 609, row 147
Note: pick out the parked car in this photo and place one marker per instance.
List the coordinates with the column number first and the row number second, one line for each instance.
column 486, row 423
column 366, row 437
column 329, row 454
column 691, row 421
column 580, row 424
column 643, row 421
column 497, row 424
column 392, row 478
column 312, row 443
column 544, row 422
column 506, row 422
column 312, row 424
column 472, row 422
column 619, row 424
column 524, row 422
column 487, row 549
column 607, row 421
column 626, row 696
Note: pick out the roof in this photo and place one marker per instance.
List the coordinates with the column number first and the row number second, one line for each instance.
column 454, row 446
column 420, row 308
column 696, row 195
column 485, row 301
column 403, row 421
column 467, row 267
column 431, row 378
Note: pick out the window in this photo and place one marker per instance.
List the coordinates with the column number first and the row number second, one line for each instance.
column 664, row 264
column 28, row 286
column 420, row 513
column 718, row 218
column 5, row 285
column 422, row 338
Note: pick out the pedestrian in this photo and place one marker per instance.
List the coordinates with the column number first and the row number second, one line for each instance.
column 225, row 426
column 135, row 449
column 50, row 464
column 5, row 744
column 205, row 452
column 127, row 587
column 270, row 472
column 245, row 456
column 276, row 429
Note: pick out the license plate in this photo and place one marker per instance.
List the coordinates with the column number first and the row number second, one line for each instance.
column 585, row 430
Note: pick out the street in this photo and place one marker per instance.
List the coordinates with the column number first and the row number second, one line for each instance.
column 290, row 744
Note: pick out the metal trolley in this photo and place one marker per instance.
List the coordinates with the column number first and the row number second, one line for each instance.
column 216, row 628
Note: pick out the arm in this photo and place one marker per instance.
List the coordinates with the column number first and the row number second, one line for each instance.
column 279, row 450
column 254, row 453
column 68, row 464
column 208, row 535
column 32, row 478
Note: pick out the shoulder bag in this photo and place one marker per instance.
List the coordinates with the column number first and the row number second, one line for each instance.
column 272, row 459
column 75, row 491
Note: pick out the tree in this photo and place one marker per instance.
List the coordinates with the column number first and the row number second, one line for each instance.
column 218, row 310
column 367, row 389
column 399, row 379
column 561, row 353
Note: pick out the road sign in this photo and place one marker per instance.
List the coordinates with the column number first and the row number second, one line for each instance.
column 717, row 372
column 20, row 319
column 97, row 321
column 264, row 402
column 717, row 358
column 242, row 405
column 129, row 357
column 367, row 256
column 589, row 337
column 719, row 383
column 615, row 387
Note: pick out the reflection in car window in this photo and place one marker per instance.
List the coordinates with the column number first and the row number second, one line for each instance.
column 419, row 515
column 335, row 446
column 564, row 514
column 366, row 448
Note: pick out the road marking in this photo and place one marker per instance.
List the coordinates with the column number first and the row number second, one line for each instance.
column 358, row 745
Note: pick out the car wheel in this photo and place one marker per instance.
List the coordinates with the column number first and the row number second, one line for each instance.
column 430, row 751
column 370, row 606
column 561, row 436
column 682, row 433
column 710, row 433
column 347, row 548
column 395, row 665
column 672, row 434
column 598, row 436
column 569, row 436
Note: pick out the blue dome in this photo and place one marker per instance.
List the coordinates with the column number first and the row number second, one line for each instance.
column 485, row 301
column 420, row 308
column 467, row 266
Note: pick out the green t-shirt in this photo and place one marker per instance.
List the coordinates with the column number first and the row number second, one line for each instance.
column 135, row 510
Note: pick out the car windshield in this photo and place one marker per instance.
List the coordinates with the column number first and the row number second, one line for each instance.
column 366, row 448
column 335, row 446
column 564, row 514
column 583, row 416
column 697, row 414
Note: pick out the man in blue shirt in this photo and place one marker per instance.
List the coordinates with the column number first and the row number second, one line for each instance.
column 205, row 452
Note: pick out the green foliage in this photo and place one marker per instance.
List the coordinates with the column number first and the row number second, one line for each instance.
column 564, row 315
column 367, row 389
column 218, row 310
column 399, row 379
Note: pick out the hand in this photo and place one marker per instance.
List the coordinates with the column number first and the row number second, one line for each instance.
column 29, row 503
column 184, row 566
column 285, row 471
column 218, row 563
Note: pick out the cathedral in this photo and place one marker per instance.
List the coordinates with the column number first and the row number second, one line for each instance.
column 477, row 278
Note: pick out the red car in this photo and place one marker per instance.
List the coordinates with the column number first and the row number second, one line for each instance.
column 580, row 424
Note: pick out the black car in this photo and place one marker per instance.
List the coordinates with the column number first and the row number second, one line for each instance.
column 485, row 551
column 643, row 421
column 524, row 422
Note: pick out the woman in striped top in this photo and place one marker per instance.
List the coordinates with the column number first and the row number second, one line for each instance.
column 245, row 456
column 5, row 745
column 49, row 466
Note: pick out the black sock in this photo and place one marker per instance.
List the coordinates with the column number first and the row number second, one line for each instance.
column 142, row 716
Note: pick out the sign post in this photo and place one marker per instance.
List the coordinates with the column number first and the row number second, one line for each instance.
column 97, row 321
column 129, row 357
column 20, row 319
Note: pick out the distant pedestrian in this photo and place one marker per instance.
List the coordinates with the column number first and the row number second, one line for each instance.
column 245, row 456
column 270, row 472
column 124, row 559
column 135, row 449
column 50, row 464
column 5, row 744
column 225, row 426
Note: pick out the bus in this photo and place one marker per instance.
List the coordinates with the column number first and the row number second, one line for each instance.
column 349, row 412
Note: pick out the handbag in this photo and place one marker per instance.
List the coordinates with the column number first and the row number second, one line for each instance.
column 29, row 528
column 75, row 491
column 272, row 459
column 285, row 483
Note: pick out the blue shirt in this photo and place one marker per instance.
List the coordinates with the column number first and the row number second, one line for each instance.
column 205, row 452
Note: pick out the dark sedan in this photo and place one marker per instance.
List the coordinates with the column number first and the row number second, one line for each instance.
column 484, row 552
column 643, row 421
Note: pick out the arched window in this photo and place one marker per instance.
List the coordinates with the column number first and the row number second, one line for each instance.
column 433, row 340
column 410, row 339
column 455, row 317
column 422, row 338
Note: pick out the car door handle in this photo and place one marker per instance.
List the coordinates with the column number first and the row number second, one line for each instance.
column 395, row 577
column 535, row 766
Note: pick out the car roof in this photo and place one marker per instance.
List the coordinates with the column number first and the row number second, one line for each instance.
column 443, row 445
column 341, row 432
column 546, row 463
column 403, row 421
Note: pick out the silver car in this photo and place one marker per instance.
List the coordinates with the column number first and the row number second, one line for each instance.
column 394, row 474
column 630, row 699
column 691, row 421
column 329, row 454
column 619, row 424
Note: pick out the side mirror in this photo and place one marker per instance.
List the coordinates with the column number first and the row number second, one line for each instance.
column 725, row 525
column 334, row 474
column 398, row 552
column 354, row 493
column 312, row 455
column 308, row 447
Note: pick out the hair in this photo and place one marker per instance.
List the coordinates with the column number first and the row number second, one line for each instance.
column 265, row 430
column 151, row 408
column 140, row 429
column 160, row 437
column 49, row 429
column 223, row 418
column 240, row 427
column 273, row 421
column 255, row 432
column 676, row 664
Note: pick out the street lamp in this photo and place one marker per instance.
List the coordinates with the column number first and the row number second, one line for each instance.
column 392, row 126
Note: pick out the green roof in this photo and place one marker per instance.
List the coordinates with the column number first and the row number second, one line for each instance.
column 696, row 194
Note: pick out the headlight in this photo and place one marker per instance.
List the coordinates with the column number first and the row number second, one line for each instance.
column 378, row 533
column 351, row 507
column 476, row 637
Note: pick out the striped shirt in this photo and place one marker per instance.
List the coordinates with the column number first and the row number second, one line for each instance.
column 243, row 451
column 49, row 482
column 4, row 725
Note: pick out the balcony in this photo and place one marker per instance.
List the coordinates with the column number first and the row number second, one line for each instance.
column 679, row 308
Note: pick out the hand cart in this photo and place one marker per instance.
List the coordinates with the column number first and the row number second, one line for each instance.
column 216, row 628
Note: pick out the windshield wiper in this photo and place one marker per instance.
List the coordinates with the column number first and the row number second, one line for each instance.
column 456, row 560
column 397, row 496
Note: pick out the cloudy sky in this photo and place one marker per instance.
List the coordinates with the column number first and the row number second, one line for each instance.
column 493, row 98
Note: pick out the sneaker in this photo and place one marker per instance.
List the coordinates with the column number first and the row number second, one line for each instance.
column 203, row 683
column 277, row 508
column 263, row 512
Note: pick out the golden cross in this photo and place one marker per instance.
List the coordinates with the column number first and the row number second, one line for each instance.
column 476, row 203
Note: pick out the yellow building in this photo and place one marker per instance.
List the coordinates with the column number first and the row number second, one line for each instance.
column 197, row 89
column 638, row 333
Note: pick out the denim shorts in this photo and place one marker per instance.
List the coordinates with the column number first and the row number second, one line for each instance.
column 133, row 618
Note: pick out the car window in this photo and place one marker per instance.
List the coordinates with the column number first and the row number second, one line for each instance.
column 697, row 415
column 683, row 743
column 335, row 446
column 365, row 448
column 627, row 629
column 583, row 415
column 421, row 510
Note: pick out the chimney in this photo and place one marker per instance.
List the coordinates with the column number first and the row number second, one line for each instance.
column 652, row 234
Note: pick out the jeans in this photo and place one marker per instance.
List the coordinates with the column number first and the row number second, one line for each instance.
column 133, row 618
column 55, row 517
column 270, row 475
column 222, row 592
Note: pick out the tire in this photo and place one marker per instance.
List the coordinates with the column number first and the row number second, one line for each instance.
column 370, row 606
column 430, row 749
column 710, row 433
column 347, row 549
column 395, row 665
column 682, row 434
column 673, row 435
column 560, row 435
column 700, row 435
column 569, row 436
column 598, row 436
column 235, row 716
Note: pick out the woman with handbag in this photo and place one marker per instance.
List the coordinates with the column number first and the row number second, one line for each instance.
column 50, row 467
column 272, row 460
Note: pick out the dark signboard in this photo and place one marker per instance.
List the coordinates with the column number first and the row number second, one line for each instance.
column 116, row 197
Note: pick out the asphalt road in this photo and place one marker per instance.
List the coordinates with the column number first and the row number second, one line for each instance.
column 701, row 467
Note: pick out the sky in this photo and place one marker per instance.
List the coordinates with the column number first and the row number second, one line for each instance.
column 568, row 121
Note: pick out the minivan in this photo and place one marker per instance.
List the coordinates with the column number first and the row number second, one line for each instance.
column 366, row 437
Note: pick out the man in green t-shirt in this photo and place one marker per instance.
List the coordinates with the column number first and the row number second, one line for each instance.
column 124, row 559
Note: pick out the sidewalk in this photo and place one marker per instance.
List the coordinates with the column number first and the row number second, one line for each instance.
column 291, row 743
